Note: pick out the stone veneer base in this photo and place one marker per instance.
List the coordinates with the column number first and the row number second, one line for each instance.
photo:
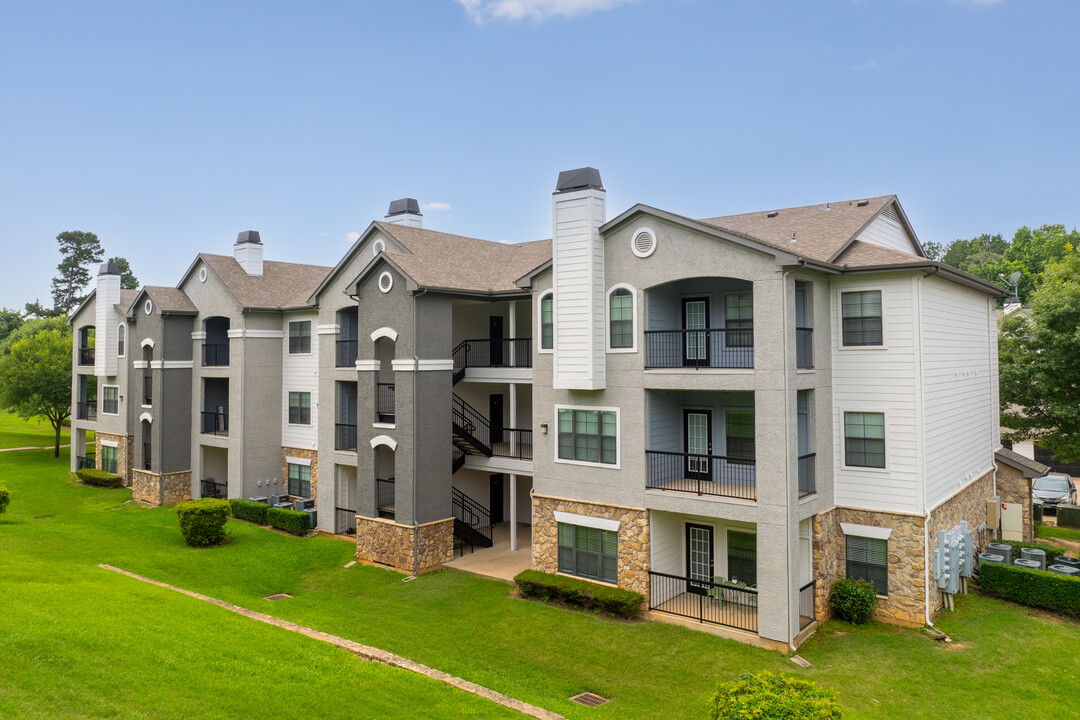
column 164, row 489
column 312, row 455
column 388, row 543
column 125, row 454
column 1013, row 487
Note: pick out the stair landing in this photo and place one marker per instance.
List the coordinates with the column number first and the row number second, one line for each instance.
column 498, row 561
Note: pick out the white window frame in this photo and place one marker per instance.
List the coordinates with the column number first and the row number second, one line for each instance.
column 540, row 322
column 288, row 408
column 122, row 326
column 618, row 438
column 607, row 318
column 843, row 440
column 101, row 400
column 288, row 336
column 838, row 299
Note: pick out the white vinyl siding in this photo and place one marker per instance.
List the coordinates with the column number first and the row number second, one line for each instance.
column 960, row 388
column 300, row 374
column 888, row 233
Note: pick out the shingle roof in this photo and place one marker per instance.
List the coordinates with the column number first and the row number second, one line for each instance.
column 819, row 232
column 861, row 253
column 168, row 299
column 1030, row 467
column 281, row 286
column 453, row 262
column 127, row 297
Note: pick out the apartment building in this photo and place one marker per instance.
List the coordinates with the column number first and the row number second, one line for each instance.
column 724, row 414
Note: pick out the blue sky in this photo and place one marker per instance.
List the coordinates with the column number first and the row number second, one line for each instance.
column 167, row 128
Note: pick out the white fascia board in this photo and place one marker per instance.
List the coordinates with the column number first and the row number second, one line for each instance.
column 367, row 365
column 297, row 461
column 586, row 521
column 198, row 335
column 110, row 443
column 256, row 334
column 866, row 531
column 328, row 329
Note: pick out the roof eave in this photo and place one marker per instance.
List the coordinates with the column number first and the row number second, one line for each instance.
column 525, row 281
column 332, row 275
column 934, row 268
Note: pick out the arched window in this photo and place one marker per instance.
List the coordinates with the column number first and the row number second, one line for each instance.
column 621, row 318
column 547, row 321
column 121, row 339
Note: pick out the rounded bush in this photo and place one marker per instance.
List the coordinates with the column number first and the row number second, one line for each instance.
column 5, row 498
column 202, row 522
column 99, row 478
column 773, row 695
column 853, row 600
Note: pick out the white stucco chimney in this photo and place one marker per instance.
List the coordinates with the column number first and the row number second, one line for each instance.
column 107, row 320
column 248, row 251
column 578, row 211
column 405, row 211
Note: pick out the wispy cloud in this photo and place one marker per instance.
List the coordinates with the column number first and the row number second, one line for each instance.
column 436, row 207
column 352, row 237
column 484, row 11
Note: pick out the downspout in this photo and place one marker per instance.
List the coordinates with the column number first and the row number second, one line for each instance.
column 927, row 571
column 787, row 458
column 416, row 370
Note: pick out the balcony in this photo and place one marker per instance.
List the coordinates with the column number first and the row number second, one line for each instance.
column 385, row 402
column 511, row 443
column 86, row 411
column 215, row 354
column 384, row 497
column 344, row 521
column 806, row 604
column 713, row 475
column 487, row 353
column 86, row 356
column 346, row 353
column 148, row 390
column 807, row 481
column 344, row 436
column 711, row 348
column 215, row 423
column 804, row 348
column 717, row 602
column 211, row 488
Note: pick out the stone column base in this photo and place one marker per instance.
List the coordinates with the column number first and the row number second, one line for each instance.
column 156, row 489
column 386, row 542
column 125, row 454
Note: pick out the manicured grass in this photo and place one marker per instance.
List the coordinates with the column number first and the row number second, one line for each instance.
column 1050, row 532
column 16, row 432
column 453, row 621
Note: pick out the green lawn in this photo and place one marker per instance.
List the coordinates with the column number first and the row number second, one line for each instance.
column 1053, row 532
column 16, row 432
column 99, row 642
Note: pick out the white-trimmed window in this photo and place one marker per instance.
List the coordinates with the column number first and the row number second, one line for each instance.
column 864, row 439
column 300, row 337
column 621, row 306
column 299, row 408
column 547, row 320
column 300, row 480
column 860, row 313
column 589, row 552
column 108, row 458
column 868, row 558
column 588, row 435
column 121, row 340
column 110, row 399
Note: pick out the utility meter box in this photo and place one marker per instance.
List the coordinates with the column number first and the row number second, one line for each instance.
column 993, row 513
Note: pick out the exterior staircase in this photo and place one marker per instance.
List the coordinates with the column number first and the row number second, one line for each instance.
column 471, row 430
column 472, row 523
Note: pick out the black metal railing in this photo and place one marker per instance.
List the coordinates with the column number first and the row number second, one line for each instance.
column 148, row 389
column 215, row 354
column 109, row 465
column 470, row 425
column 345, row 524
column 806, row 604
column 807, row 480
column 702, row 474
column 211, row 488
column 346, row 352
column 712, row 348
column 85, row 462
column 147, row 454
column 719, row 603
column 215, row 423
column 512, row 443
column 804, row 348
column 86, row 356
column 344, row 436
column 86, row 411
column 384, row 398
column 384, row 497
column 471, row 513
column 493, row 353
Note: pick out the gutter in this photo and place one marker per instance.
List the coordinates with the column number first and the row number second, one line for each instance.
column 416, row 360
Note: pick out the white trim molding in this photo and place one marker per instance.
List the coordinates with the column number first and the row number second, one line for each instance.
column 146, row 417
column 633, row 318
column 388, row 285
column 367, row 365
column 384, row 332
column 110, row 443
column 327, row 329
column 256, row 334
column 384, row 440
column 586, row 521
column 403, row 365
column 290, row 460
column 138, row 364
column 866, row 531
column 147, row 342
column 587, row 463
column 176, row 364
column 633, row 242
column 384, row 426
column 447, row 364
column 198, row 335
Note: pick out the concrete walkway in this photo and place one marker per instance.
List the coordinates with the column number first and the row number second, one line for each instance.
column 365, row 652
column 47, row 447
column 498, row 561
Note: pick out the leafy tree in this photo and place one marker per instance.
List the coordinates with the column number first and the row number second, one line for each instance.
column 128, row 281
column 78, row 250
column 1039, row 368
column 35, row 372
column 10, row 320
column 34, row 309
column 933, row 250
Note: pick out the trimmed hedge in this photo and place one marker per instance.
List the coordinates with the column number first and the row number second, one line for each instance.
column 853, row 600
column 202, row 522
column 1037, row 588
column 1052, row 551
column 5, row 498
column 250, row 510
column 291, row 521
column 580, row 593
column 100, row 478
column 773, row 695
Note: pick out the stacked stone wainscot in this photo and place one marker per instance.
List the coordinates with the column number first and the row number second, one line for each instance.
column 388, row 543
column 303, row 454
column 165, row 489
column 125, row 454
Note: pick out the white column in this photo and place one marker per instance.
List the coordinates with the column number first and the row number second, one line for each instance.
column 513, row 419
column 513, row 511
column 513, row 330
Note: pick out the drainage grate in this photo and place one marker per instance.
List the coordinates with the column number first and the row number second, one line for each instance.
column 590, row 699
column 279, row 596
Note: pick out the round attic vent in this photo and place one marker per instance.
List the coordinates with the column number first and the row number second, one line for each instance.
column 644, row 243
column 386, row 281
column 202, row 274
column 148, row 307
column 377, row 247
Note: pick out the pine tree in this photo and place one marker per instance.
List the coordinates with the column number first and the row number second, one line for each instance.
column 79, row 250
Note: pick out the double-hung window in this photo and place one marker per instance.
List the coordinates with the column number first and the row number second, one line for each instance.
column 110, row 400
column 588, row 552
column 742, row 557
column 121, row 339
column 864, row 439
column 299, row 408
column 299, row 480
column 740, row 437
column 868, row 558
column 547, row 322
column 739, row 319
column 108, row 458
column 621, row 318
column 861, row 318
column 300, row 337
column 588, row 436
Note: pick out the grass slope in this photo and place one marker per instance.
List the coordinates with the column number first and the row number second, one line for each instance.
column 453, row 621
column 16, row 432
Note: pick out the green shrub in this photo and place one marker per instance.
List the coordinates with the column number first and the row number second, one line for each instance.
column 1052, row 551
column 251, row 511
column 853, row 600
column 1068, row 516
column 772, row 695
column 5, row 498
column 202, row 522
column 1037, row 588
column 100, row 478
column 291, row 521
column 579, row 593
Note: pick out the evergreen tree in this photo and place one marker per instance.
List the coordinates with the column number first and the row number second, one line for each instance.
column 78, row 250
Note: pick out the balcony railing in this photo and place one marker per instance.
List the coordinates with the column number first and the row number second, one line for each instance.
column 85, row 462
column 345, row 521
column 384, row 497
column 385, row 401
column 804, row 348
column 344, row 436
column 717, row 603
column 346, row 352
column 211, row 488
column 713, row 348
column 511, row 443
column 215, row 354
column 807, row 481
column 86, row 411
column 86, row 356
column 493, row 353
column 215, row 423
column 702, row 474
column 148, row 390
column 147, row 454
column 806, row 604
